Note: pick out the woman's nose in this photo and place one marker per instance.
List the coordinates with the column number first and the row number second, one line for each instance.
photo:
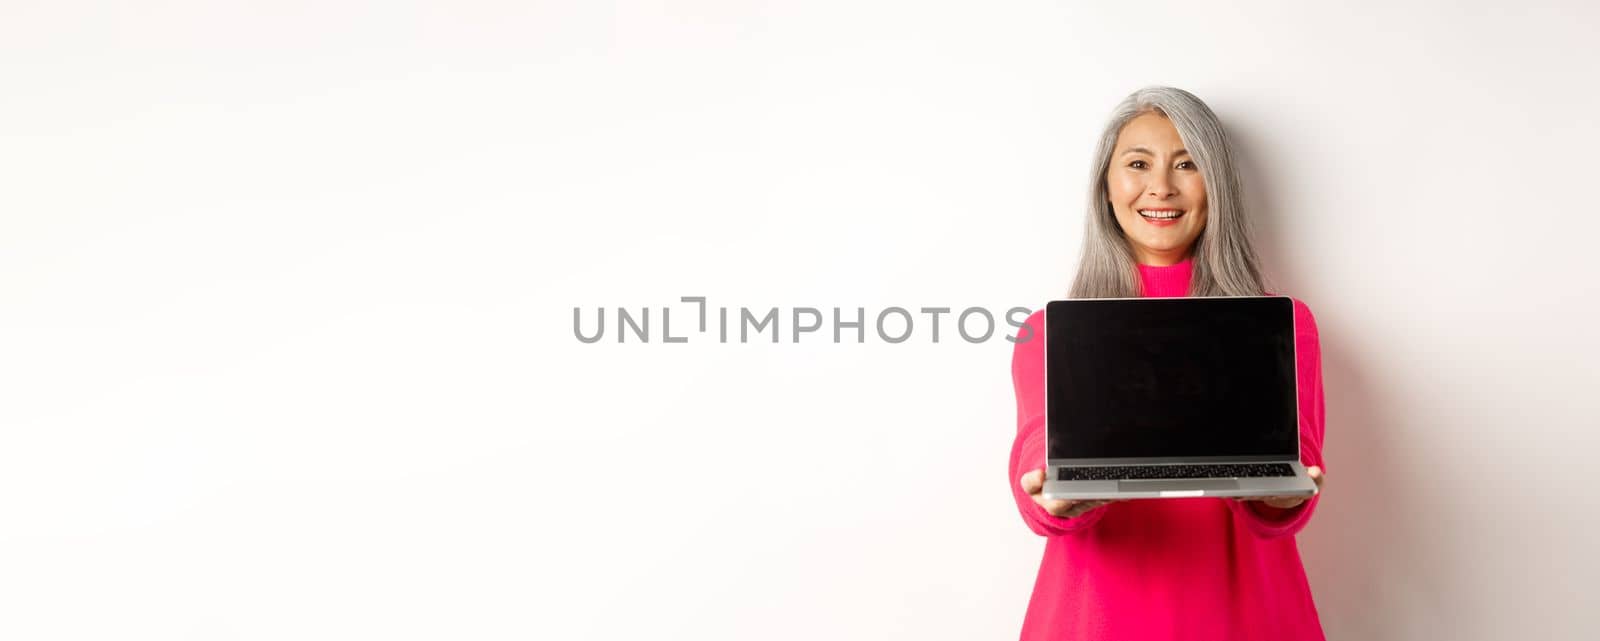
column 1160, row 186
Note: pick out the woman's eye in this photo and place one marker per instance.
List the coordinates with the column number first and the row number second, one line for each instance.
column 1137, row 164
column 1187, row 164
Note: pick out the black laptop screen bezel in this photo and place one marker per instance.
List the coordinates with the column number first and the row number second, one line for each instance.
column 1276, row 350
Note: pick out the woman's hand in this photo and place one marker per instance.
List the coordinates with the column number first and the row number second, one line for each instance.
column 1033, row 484
column 1290, row 502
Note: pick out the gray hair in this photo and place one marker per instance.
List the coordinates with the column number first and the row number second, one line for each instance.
column 1225, row 261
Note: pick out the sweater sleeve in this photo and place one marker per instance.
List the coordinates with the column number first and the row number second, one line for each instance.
column 1267, row 521
column 1028, row 449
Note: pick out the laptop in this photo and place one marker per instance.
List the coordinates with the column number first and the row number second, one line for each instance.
column 1172, row 397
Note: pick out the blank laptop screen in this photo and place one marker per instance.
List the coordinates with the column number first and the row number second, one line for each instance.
column 1188, row 378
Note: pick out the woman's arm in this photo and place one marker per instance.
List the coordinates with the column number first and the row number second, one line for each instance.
column 1265, row 520
column 1027, row 450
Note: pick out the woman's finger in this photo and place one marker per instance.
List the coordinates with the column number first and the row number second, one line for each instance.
column 1057, row 507
column 1033, row 481
column 1033, row 484
column 1085, row 506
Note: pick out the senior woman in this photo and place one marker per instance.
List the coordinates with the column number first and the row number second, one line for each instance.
column 1166, row 218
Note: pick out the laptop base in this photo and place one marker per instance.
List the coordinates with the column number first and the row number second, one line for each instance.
column 1298, row 485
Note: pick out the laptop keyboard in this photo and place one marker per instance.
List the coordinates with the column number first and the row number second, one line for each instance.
column 1134, row 472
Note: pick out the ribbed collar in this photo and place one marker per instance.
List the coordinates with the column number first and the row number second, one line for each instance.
column 1167, row 282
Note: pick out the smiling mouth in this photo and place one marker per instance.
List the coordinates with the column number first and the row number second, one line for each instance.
column 1162, row 214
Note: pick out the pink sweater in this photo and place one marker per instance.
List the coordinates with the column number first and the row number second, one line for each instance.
column 1203, row 568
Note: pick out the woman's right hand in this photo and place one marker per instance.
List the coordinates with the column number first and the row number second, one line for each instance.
column 1033, row 484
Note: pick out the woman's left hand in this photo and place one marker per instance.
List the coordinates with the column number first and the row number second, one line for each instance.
column 1288, row 502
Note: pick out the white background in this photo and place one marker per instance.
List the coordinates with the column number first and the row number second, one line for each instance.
column 286, row 295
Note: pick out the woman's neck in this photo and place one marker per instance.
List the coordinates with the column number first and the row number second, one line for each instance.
column 1160, row 259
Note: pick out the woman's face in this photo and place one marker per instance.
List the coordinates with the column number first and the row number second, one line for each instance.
column 1152, row 178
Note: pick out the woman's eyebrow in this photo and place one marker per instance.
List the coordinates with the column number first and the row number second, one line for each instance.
column 1147, row 152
